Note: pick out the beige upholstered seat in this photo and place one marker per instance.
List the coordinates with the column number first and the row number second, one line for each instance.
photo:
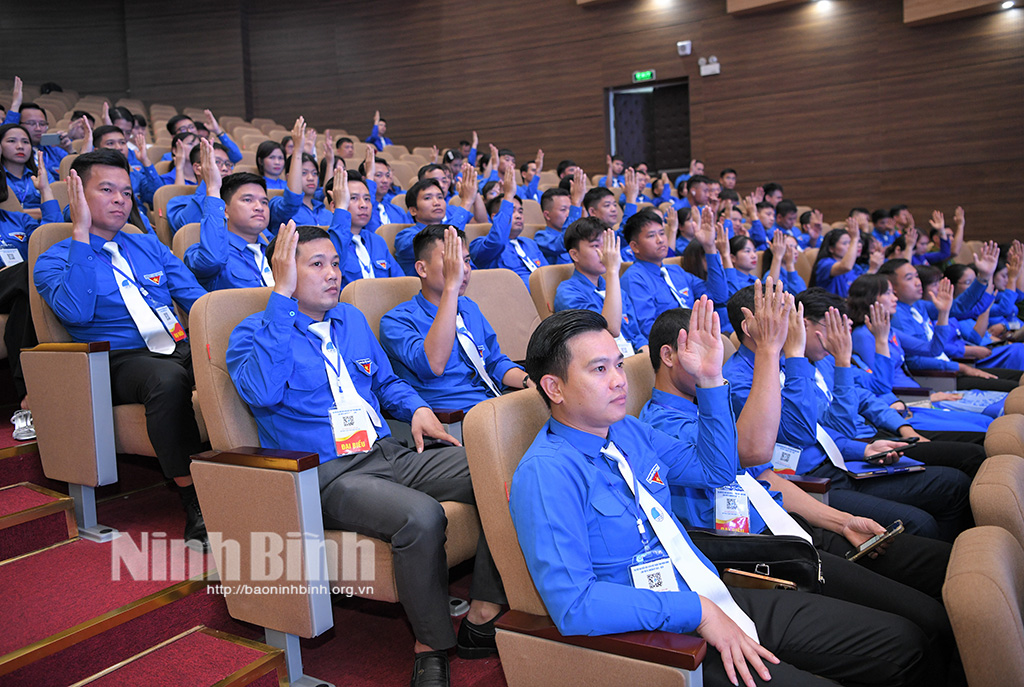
column 544, row 283
column 997, row 494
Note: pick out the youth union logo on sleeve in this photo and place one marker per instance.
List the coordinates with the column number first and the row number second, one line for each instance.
column 155, row 277
column 653, row 477
column 366, row 365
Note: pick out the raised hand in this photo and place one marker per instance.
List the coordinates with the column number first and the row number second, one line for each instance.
column 758, row 195
column 768, row 325
column 938, row 221
column 340, row 194
column 778, row 247
column 453, row 266
column 370, row 163
column 376, row 117
column 17, row 94
column 476, row 140
column 106, row 113
column 876, row 257
column 611, row 255
column 42, row 179
column 671, row 222
column 986, row 263
column 577, row 187
column 81, row 217
column 795, row 345
column 878, row 322
column 494, row 154
column 852, row 228
column 142, row 151
column 1014, row 262
column 468, row 189
column 958, row 218
column 748, row 206
column 789, row 258
column 608, row 180
column 722, row 244
column 942, row 297
column 211, row 123
column 911, row 238
column 631, row 185
column 310, row 144
column 700, row 350
column 539, row 160
column 435, row 155
column 705, row 231
column 210, row 171
column 282, row 264
column 837, row 338
column 508, row 183
column 86, row 134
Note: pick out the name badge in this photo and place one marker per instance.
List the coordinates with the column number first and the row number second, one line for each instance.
column 353, row 432
column 785, row 459
column 166, row 316
column 654, row 570
column 732, row 509
column 625, row 348
column 10, row 256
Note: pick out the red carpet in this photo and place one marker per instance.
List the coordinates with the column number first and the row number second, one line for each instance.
column 32, row 536
column 195, row 659
column 18, row 498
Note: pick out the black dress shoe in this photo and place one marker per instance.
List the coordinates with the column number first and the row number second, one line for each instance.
column 196, row 537
column 431, row 670
column 477, row 641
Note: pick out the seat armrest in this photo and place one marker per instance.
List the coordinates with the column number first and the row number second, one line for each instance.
column 966, row 360
column 812, row 485
column 446, row 416
column 664, row 648
column 921, row 391
column 90, row 347
column 269, row 459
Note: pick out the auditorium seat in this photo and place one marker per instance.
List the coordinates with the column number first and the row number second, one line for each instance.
column 1005, row 436
column 163, row 195
column 505, row 301
column 533, row 653
column 243, row 489
column 183, row 238
column 388, row 233
column 997, row 494
column 79, row 431
column 544, row 283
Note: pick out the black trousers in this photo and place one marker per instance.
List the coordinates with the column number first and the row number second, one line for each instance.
column 393, row 493
column 1007, row 380
column 821, row 641
column 163, row 383
column 19, row 332
column 946, row 450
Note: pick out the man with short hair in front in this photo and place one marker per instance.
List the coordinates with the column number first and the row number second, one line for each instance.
column 590, row 501
column 316, row 379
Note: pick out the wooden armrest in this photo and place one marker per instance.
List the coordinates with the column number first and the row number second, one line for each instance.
column 663, row 648
column 912, row 391
column 941, row 374
column 91, row 347
column 445, row 415
column 267, row 458
column 812, row 485
column 966, row 360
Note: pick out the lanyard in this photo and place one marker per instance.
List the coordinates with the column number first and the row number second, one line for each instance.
column 130, row 277
column 636, row 504
column 252, row 263
column 317, row 345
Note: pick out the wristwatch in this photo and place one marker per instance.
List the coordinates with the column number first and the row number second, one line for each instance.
column 526, row 380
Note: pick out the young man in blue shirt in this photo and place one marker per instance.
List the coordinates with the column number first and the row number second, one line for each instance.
column 310, row 368
column 363, row 254
column 104, row 284
column 530, row 172
column 439, row 341
column 377, row 137
column 503, row 246
column 299, row 201
column 182, row 210
column 427, row 205
column 652, row 287
column 384, row 211
column 33, row 118
column 145, row 180
column 905, row 579
column 616, row 166
column 229, row 254
column 595, row 284
column 179, row 124
column 561, row 208
column 590, row 543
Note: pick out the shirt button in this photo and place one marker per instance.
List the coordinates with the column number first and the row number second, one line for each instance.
column 291, row 313
column 90, row 257
column 89, row 291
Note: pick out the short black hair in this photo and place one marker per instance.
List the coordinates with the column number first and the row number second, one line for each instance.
column 427, row 169
column 494, row 204
column 727, row 170
column 878, row 215
column 585, row 229
column 635, row 224
column 697, row 179
column 428, row 235
column 31, row 106
column 595, row 195
column 140, row 120
column 350, row 176
column 505, row 151
column 548, row 196
column 929, row 274
column 196, row 153
column 785, row 207
column 526, row 166
column 817, row 301
column 413, row 194
column 897, row 209
column 548, row 351
column 306, row 232
column 232, row 182
column 78, row 114
column 84, row 163
column 729, row 194
column 771, row 188
column 854, row 211
column 173, row 122
column 564, row 165
column 665, row 332
column 343, row 139
column 124, row 113
column 376, row 161
column 99, row 132
column 744, row 298
column 952, row 273
column 890, row 266
column 565, row 183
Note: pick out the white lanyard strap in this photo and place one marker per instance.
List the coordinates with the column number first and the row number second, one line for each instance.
column 469, row 347
column 774, row 515
column 149, row 325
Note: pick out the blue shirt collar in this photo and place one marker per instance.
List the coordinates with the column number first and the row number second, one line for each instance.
column 585, row 280
column 649, row 266
column 663, row 398
column 588, row 444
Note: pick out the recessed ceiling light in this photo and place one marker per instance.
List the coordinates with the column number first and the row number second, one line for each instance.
column 1008, row 4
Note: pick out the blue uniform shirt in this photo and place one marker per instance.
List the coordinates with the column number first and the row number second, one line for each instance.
column 221, row 259
column 678, row 417
column 552, row 241
column 292, row 206
column 402, row 333
column 182, row 210
column 650, row 296
column 457, row 217
column 576, row 519
column 234, row 154
column 17, row 227
column 377, row 140
column 839, row 284
column 24, row 189
column 384, row 265
column 922, row 350
column 578, row 292
column 77, row 282
column 276, row 184
column 496, row 249
column 278, row 370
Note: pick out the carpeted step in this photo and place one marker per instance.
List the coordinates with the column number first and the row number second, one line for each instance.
column 199, row 656
column 33, row 518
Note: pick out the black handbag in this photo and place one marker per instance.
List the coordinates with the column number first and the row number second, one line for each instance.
column 784, row 556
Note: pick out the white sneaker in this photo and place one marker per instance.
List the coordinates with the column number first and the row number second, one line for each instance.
column 24, row 430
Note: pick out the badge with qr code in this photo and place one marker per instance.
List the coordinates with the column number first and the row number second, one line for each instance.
column 657, row 575
column 353, row 432
column 732, row 509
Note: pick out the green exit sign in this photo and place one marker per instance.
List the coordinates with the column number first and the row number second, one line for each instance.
column 646, row 75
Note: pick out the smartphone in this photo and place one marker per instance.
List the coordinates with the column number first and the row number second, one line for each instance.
column 748, row 580
column 878, row 458
column 51, row 139
column 905, row 440
column 875, row 541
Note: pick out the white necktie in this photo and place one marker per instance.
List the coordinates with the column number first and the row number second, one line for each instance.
column 928, row 331
column 698, row 577
column 819, row 379
column 365, row 264
column 672, row 287
column 342, row 388
column 530, row 264
column 383, row 214
column 469, row 347
column 774, row 515
column 149, row 325
column 262, row 266
column 835, row 456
